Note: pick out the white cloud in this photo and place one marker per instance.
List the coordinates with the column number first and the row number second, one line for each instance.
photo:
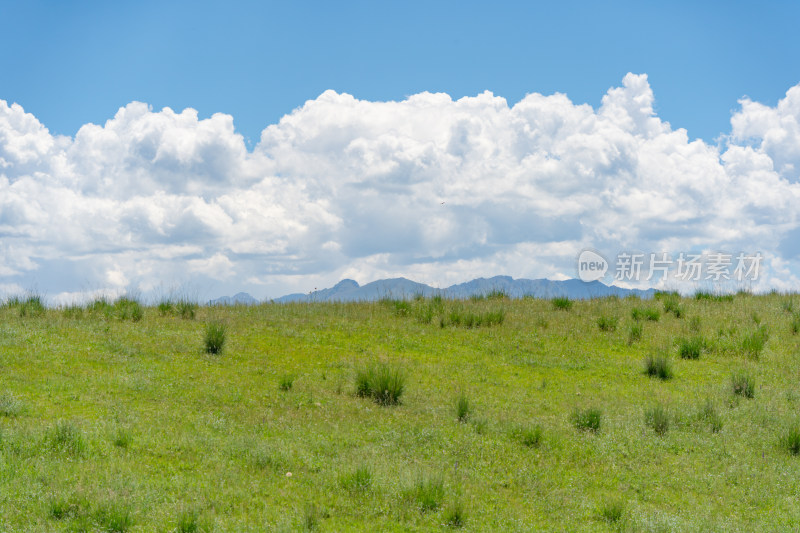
column 431, row 188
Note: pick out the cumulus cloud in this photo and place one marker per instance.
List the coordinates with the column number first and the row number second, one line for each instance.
column 431, row 188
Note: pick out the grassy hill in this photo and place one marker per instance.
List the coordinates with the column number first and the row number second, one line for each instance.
column 486, row 415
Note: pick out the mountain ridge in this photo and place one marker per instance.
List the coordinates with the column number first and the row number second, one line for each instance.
column 348, row 290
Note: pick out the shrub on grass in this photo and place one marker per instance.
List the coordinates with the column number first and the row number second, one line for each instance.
column 286, row 383
column 754, row 341
column 214, row 337
column 587, row 419
column 611, row 510
column 463, row 409
column 529, row 436
column 657, row 418
column 743, row 384
column 658, row 366
column 562, row 303
column 607, row 323
column 10, row 405
column 634, row 333
column 359, row 480
column 454, row 515
column 791, row 440
column 383, row 383
column 691, row 348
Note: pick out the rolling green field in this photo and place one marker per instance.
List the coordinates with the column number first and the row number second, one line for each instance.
column 491, row 414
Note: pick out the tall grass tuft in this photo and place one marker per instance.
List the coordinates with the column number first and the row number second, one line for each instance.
column 743, row 384
column 791, row 440
column 652, row 314
column 529, row 436
column 454, row 515
column 188, row 522
column 587, row 419
column 708, row 413
column 463, row 408
column 657, row 418
column 611, row 510
column 672, row 304
column 658, row 366
column 359, row 480
column 692, row 347
column 286, row 382
column 753, row 342
column 428, row 493
column 381, row 382
column 126, row 308
column 67, row 438
column 31, row 306
column 562, row 303
column 214, row 337
column 634, row 333
column 10, row 406
column 607, row 323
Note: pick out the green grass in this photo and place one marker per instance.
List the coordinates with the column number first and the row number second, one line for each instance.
column 382, row 382
column 115, row 424
column 743, row 384
column 562, row 303
column 588, row 419
column 657, row 419
column 658, row 366
column 607, row 323
column 214, row 339
column 691, row 348
column 463, row 408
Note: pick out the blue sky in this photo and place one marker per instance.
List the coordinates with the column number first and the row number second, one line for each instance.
column 210, row 148
column 77, row 62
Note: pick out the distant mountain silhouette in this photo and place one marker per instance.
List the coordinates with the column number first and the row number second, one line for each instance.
column 348, row 290
column 241, row 298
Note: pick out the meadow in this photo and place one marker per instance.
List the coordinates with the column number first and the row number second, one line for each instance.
column 488, row 414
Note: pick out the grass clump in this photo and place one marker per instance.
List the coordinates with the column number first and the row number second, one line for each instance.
column 10, row 406
column 691, row 348
column 114, row 518
column 286, row 383
column 468, row 319
column 126, row 308
column 657, row 418
column 454, row 515
column 672, row 304
column 214, row 338
column 186, row 309
column 709, row 414
column 791, row 440
column 529, row 436
column 562, row 303
column 607, row 323
column 743, row 384
column 381, row 382
column 634, row 333
column 31, row 306
column 428, row 494
column 66, row 437
column 122, row 438
column 611, row 511
column 188, row 522
column 639, row 313
column 795, row 324
column 463, row 408
column 658, row 366
column 753, row 342
column 587, row 419
column 359, row 480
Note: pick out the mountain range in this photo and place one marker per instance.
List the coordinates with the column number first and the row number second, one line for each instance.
column 348, row 290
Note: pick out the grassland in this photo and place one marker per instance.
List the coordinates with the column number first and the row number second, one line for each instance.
column 676, row 414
